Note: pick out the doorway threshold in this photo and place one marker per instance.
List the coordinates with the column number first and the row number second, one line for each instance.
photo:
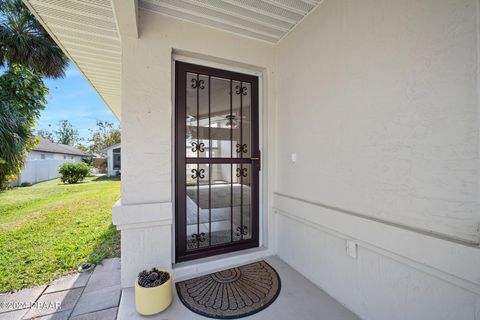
column 198, row 267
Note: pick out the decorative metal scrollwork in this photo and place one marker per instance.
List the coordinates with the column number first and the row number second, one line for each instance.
column 241, row 172
column 198, row 237
column 198, row 147
column 198, row 84
column 243, row 230
column 241, row 90
column 242, row 148
column 198, row 173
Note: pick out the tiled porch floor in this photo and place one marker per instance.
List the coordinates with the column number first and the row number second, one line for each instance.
column 85, row 296
column 299, row 299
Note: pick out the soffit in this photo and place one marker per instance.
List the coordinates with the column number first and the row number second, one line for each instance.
column 268, row 20
column 87, row 32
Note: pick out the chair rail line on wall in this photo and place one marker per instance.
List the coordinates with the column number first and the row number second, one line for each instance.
column 438, row 235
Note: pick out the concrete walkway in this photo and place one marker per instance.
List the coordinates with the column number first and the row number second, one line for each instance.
column 82, row 296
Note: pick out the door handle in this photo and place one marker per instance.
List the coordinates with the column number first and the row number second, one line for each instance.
column 257, row 159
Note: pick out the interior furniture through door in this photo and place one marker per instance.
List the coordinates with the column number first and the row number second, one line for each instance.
column 217, row 161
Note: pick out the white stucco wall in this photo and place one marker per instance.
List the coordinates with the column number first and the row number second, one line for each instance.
column 111, row 172
column 145, row 213
column 379, row 102
column 384, row 97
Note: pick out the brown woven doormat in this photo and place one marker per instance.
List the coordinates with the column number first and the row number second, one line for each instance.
column 232, row 293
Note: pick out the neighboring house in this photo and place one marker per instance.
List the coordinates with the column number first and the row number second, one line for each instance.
column 340, row 135
column 113, row 160
column 44, row 160
column 99, row 163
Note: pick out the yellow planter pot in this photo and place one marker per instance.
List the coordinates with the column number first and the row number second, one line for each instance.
column 149, row 301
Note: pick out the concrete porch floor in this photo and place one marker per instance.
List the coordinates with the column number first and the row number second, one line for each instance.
column 299, row 299
column 96, row 296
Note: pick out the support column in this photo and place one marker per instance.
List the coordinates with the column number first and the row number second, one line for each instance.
column 144, row 214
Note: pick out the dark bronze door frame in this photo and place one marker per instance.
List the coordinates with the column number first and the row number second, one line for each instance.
column 217, row 161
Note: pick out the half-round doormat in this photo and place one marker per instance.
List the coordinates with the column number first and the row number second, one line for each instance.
column 232, row 293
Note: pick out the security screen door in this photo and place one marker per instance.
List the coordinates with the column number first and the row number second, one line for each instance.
column 217, row 161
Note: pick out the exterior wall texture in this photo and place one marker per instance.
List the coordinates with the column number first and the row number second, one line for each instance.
column 111, row 172
column 379, row 102
column 147, row 127
column 384, row 97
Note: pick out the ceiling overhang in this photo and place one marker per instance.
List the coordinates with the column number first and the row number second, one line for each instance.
column 268, row 20
column 90, row 31
column 87, row 32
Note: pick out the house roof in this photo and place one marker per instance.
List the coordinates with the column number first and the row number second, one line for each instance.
column 117, row 145
column 51, row 147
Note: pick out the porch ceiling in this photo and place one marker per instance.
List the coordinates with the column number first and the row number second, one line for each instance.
column 268, row 20
column 87, row 32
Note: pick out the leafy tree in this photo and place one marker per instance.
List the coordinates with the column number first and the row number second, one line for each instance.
column 15, row 137
column 67, row 134
column 46, row 134
column 22, row 97
column 24, row 91
column 104, row 136
column 82, row 147
column 27, row 53
column 23, row 41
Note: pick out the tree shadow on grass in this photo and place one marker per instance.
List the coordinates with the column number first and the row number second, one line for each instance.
column 106, row 178
column 107, row 246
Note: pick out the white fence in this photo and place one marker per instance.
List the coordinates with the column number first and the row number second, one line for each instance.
column 40, row 170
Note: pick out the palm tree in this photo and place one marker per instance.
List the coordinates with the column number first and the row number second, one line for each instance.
column 23, row 41
column 29, row 53
column 15, row 137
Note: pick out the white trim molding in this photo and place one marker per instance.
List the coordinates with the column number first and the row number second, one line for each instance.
column 449, row 261
column 146, row 235
column 126, row 17
column 141, row 215
column 198, row 267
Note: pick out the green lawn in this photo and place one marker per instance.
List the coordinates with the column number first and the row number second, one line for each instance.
column 50, row 228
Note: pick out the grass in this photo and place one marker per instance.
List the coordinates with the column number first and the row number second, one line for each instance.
column 50, row 228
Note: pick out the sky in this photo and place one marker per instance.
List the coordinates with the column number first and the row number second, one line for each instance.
column 73, row 98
